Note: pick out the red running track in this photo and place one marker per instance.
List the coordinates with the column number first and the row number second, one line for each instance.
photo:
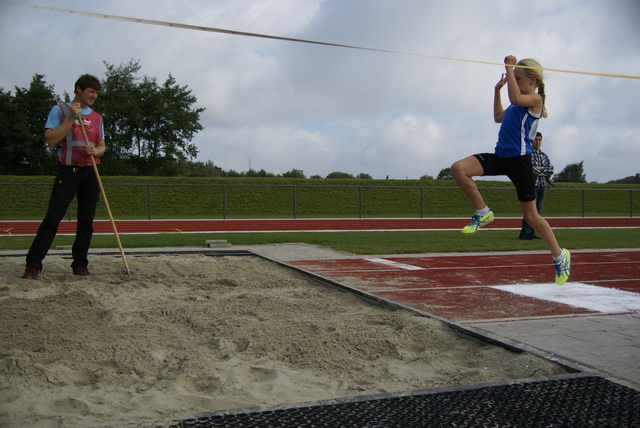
column 466, row 288
column 297, row 225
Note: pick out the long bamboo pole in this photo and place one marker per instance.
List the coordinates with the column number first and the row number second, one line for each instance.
column 104, row 198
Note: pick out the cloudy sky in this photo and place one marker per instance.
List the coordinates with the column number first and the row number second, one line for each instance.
column 279, row 105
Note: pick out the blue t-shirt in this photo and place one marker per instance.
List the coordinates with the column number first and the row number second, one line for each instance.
column 518, row 128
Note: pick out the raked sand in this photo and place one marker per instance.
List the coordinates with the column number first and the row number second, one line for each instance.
column 190, row 333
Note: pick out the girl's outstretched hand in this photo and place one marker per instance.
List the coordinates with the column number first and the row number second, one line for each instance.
column 501, row 82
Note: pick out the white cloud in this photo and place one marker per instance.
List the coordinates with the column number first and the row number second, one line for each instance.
column 317, row 108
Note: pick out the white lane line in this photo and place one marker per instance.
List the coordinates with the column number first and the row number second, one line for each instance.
column 396, row 264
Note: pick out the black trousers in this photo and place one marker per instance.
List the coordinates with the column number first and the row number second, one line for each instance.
column 527, row 230
column 71, row 181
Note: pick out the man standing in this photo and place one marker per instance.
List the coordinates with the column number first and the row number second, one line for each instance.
column 542, row 170
column 75, row 175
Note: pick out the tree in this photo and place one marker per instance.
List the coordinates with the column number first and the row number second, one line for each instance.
column 232, row 173
column 364, row 176
column 120, row 112
column 294, row 173
column 263, row 173
column 22, row 119
column 445, row 174
column 338, row 174
column 426, row 177
column 627, row 180
column 203, row 169
column 149, row 126
column 572, row 173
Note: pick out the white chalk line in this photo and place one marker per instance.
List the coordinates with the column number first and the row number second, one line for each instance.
column 576, row 294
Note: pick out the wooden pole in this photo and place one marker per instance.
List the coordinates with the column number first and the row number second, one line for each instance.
column 104, row 198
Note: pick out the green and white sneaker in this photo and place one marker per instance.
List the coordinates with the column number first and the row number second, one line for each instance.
column 563, row 268
column 477, row 221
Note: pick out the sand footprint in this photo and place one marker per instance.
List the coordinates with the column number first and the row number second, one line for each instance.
column 62, row 406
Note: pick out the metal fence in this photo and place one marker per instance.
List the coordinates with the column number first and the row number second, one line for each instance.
column 157, row 201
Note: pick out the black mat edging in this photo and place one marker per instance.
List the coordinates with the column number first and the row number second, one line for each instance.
column 569, row 401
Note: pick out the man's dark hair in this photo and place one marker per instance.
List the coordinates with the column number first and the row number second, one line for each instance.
column 87, row 81
column 539, row 134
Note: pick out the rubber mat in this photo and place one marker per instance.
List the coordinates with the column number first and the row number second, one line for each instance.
column 568, row 402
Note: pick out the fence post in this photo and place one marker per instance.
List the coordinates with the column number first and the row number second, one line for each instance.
column 360, row 202
column 295, row 202
column 148, row 201
column 421, row 201
column 224, row 201
column 583, row 194
column 630, row 203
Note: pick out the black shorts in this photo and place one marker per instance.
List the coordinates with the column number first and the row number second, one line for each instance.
column 518, row 168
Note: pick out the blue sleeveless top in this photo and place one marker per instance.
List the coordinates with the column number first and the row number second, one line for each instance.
column 518, row 129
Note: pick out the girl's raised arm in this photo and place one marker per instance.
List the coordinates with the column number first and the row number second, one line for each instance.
column 521, row 89
column 498, row 111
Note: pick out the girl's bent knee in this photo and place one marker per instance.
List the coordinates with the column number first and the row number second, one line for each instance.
column 457, row 170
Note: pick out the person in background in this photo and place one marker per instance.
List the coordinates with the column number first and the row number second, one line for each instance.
column 542, row 171
column 76, row 177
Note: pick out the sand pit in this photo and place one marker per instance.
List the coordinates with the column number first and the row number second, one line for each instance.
column 192, row 333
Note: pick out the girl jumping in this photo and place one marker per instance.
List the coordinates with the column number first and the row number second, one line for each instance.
column 512, row 155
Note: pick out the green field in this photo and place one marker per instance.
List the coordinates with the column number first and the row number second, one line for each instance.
column 25, row 198
column 179, row 198
column 401, row 242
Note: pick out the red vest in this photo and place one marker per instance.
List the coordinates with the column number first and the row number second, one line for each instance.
column 69, row 150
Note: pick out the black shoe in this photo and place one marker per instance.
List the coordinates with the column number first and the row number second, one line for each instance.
column 30, row 273
column 80, row 271
column 526, row 237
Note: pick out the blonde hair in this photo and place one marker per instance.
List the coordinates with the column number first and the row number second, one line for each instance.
column 535, row 70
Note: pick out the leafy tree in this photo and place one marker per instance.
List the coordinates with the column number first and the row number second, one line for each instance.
column 445, row 174
column 572, row 173
column 426, row 177
column 253, row 173
column 263, row 173
column 626, row 180
column 121, row 113
column 203, row 169
column 232, row 173
column 22, row 119
column 149, row 126
column 294, row 173
column 338, row 174
column 13, row 135
column 364, row 176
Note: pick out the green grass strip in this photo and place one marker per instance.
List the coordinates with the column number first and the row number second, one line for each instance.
column 365, row 243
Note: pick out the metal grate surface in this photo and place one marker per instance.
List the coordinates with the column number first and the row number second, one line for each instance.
column 570, row 402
